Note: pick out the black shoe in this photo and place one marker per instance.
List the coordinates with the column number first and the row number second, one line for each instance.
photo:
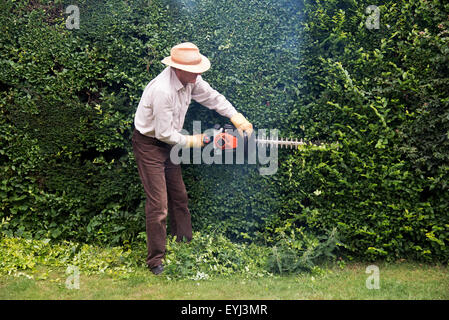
column 158, row 269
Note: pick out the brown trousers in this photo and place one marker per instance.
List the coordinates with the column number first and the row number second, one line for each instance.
column 165, row 194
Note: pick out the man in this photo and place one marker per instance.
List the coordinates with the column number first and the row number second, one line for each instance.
column 158, row 120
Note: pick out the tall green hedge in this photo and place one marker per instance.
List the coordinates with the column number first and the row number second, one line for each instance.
column 382, row 93
column 67, row 102
column 311, row 69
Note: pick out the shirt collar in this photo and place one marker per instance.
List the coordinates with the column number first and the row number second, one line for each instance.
column 175, row 81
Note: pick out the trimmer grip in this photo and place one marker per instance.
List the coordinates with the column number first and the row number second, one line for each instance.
column 206, row 140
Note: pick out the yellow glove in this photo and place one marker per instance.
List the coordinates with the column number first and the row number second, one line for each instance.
column 195, row 141
column 242, row 124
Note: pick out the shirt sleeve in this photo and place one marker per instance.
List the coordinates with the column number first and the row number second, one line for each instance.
column 204, row 94
column 164, row 131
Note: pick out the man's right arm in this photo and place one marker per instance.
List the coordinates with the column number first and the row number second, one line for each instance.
column 163, row 108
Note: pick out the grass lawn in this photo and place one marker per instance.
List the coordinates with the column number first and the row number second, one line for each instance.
column 396, row 281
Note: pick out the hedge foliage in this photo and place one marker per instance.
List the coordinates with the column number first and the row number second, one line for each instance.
column 68, row 98
column 311, row 69
column 218, row 257
column 382, row 93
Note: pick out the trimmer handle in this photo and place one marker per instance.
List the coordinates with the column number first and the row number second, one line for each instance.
column 225, row 139
column 206, row 140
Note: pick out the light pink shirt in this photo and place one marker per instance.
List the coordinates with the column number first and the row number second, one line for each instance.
column 164, row 103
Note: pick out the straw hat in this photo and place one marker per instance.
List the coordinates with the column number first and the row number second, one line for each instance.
column 186, row 56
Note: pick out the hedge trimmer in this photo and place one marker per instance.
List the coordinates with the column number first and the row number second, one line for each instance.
column 227, row 138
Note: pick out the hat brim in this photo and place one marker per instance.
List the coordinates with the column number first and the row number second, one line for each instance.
column 203, row 66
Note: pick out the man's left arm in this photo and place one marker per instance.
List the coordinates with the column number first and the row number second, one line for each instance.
column 204, row 94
